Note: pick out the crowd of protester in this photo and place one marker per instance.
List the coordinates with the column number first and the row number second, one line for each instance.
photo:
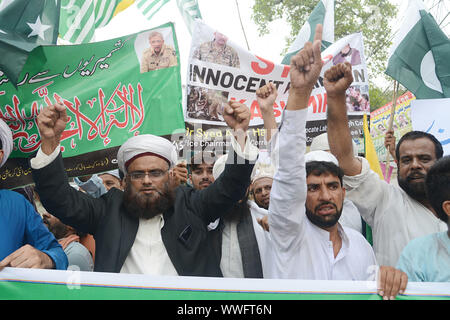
column 292, row 215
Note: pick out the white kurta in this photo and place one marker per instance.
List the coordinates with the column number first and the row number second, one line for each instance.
column 395, row 217
column 350, row 217
column 299, row 249
column 262, row 236
column 148, row 255
column 231, row 260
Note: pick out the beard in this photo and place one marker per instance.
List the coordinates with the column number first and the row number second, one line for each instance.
column 59, row 230
column 147, row 206
column 262, row 204
column 239, row 210
column 415, row 190
column 323, row 221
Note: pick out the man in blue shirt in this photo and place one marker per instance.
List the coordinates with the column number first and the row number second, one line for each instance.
column 25, row 242
column 427, row 259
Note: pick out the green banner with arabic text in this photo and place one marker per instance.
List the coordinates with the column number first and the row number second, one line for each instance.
column 112, row 90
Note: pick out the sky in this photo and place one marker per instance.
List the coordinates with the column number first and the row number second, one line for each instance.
column 222, row 15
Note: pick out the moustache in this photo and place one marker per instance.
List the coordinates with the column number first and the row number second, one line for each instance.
column 414, row 176
column 325, row 203
column 152, row 189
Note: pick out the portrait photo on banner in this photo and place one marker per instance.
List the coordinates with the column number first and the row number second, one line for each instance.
column 155, row 49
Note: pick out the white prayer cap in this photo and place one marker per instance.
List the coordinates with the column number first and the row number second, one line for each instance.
column 146, row 144
column 114, row 173
column 7, row 141
column 320, row 155
column 219, row 166
column 320, row 142
column 262, row 170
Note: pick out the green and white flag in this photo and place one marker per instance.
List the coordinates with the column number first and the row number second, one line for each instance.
column 323, row 14
column 420, row 56
column 24, row 25
column 107, row 96
column 80, row 18
column 190, row 11
column 150, row 7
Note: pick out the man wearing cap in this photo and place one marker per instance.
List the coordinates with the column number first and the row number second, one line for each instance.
column 111, row 179
column 307, row 198
column 396, row 214
column 239, row 241
column 148, row 228
column 262, row 179
column 350, row 214
column 159, row 55
column 25, row 241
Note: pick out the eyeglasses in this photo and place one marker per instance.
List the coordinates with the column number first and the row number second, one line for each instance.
column 140, row 175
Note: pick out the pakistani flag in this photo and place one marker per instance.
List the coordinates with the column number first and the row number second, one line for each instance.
column 420, row 55
column 190, row 11
column 322, row 14
column 80, row 18
column 24, row 25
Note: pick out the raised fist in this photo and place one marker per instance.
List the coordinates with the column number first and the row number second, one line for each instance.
column 337, row 79
column 51, row 123
column 266, row 96
column 236, row 115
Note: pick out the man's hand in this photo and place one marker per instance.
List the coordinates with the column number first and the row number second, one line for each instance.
column 337, row 79
column 305, row 69
column 27, row 257
column 179, row 174
column 51, row 122
column 237, row 116
column 389, row 142
column 266, row 96
column 391, row 282
column 264, row 223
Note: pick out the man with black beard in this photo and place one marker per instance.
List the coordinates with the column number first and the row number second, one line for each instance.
column 307, row 196
column 396, row 214
column 151, row 227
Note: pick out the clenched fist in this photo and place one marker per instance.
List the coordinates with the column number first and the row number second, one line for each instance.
column 51, row 123
column 337, row 79
column 266, row 96
column 237, row 116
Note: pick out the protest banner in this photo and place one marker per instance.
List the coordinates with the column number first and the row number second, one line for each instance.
column 379, row 122
column 108, row 100
column 23, row 284
column 219, row 71
column 432, row 116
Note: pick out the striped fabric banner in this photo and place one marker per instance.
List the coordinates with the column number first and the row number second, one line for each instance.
column 150, row 7
column 80, row 18
column 190, row 11
column 39, row 284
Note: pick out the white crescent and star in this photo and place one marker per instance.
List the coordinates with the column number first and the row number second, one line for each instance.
column 38, row 29
column 428, row 72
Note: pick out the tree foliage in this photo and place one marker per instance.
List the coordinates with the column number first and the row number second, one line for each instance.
column 380, row 97
column 371, row 17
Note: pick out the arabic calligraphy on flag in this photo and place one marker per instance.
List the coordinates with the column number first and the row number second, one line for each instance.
column 107, row 97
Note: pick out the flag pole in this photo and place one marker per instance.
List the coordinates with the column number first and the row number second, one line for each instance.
column 391, row 123
column 242, row 26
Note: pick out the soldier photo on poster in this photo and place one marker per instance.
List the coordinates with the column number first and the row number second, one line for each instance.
column 155, row 50
column 206, row 104
column 218, row 51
